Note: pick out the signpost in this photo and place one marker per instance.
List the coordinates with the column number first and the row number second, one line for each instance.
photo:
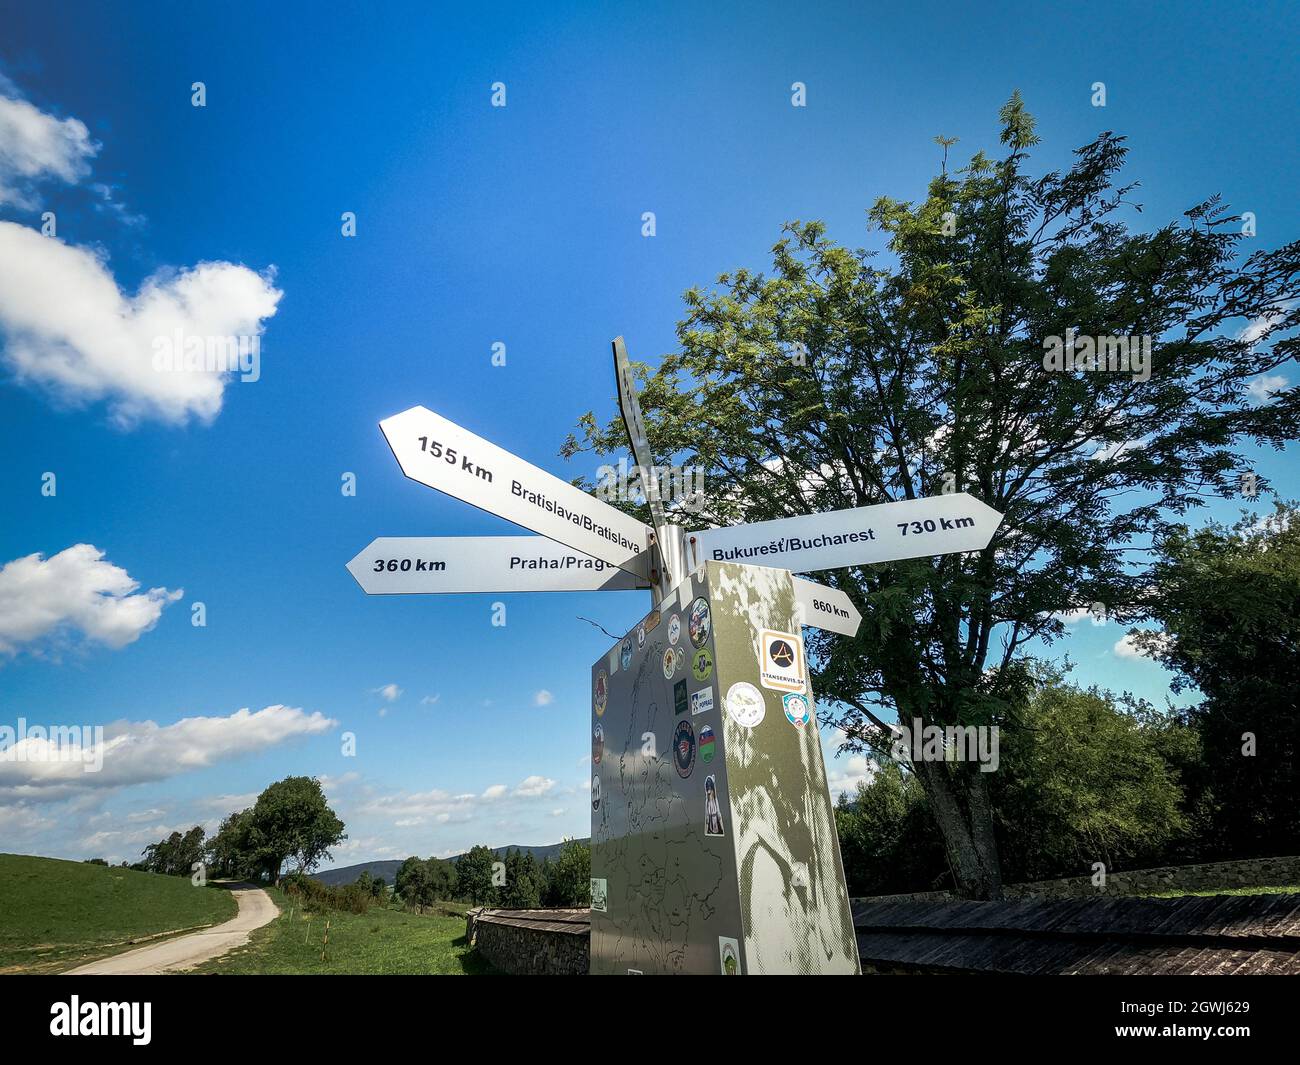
column 442, row 455
column 887, row 532
column 713, row 836
column 405, row 565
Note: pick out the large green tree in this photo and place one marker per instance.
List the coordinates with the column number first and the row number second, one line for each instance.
column 846, row 378
column 291, row 821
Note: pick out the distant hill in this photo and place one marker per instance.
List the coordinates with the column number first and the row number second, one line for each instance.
column 347, row 874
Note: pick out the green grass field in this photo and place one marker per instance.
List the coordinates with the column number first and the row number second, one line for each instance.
column 379, row 943
column 56, row 914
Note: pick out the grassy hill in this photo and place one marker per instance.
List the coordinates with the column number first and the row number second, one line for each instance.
column 348, row 874
column 56, row 914
column 382, row 942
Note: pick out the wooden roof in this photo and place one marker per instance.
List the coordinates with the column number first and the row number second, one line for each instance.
column 573, row 922
column 1214, row 934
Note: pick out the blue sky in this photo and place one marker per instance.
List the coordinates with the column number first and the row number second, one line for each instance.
column 475, row 225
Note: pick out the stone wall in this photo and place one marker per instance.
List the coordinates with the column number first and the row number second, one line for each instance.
column 521, row 942
column 1210, row 876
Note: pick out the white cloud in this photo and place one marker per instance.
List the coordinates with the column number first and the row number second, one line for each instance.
column 1125, row 647
column 135, row 752
column 36, row 146
column 70, row 330
column 845, row 775
column 495, row 791
column 1261, row 388
column 534, row 787
column 75, row 590
column 543, row 698
column 391, row 692
column 1266, row 322
column 429, row 700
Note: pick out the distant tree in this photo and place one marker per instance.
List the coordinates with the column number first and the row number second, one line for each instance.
column 1084, row 779
column 1229, row 601
column 379, row 887
column 291, row 821
column 233, row 851
column 175, row 855
column 96, row 861
column 523, row 888
column 887, row 837
column 442, row 879
column 570, row 876
column 365, row 882
column 474, row 876
column 412, row 883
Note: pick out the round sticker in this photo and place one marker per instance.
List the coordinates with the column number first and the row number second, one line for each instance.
column 797, row 709
column 745, row 704
column 674, row 628
column 626, row 656
column 702, row 664
column 684, row 748
column 708, row 743
column 595, row 793
column 640, row 635
column 597, row 743
column 602, row 693
column 670, row 663
column 699, row 622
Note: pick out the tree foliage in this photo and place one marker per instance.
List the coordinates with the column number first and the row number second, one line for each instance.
column 1229, row 603
column 845, row 378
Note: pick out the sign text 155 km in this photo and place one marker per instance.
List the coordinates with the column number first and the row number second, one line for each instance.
column 442, row 455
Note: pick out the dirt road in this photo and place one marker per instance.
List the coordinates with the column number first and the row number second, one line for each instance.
column 185, row 952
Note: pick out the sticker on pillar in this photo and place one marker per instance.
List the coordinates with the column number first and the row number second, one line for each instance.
column 780, row 661
column 597, row 743
column 797, row 709
column 595, row 794
column 712, row 811
column 745, row 704
column 652, row 622
column 680, row 701
column 626, row 657
column 674, row 629
column 670, row 663
column 702, row 664
column 600, row 894
column 729, row 956
column 699, row 623
column 602, row 693
column 684, row 748
column 701, row 701
column 708, row 745
column 640, row 635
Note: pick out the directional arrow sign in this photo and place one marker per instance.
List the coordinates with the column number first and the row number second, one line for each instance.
column 912, row 528
column 826, row 608
column 444, row 456
column 404, row 565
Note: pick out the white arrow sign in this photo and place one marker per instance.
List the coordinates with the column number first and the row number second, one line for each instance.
column 887, row 532
column 406, row 565
column 442, row 455
column 825, row 608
